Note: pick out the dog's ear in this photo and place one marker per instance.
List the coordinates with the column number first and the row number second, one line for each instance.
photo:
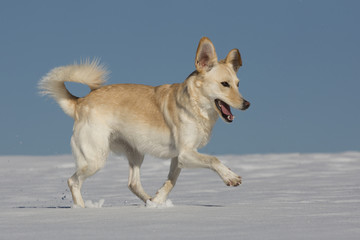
column 234, row 59
column 205, row 55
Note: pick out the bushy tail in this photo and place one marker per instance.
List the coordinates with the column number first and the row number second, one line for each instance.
column 89, row 73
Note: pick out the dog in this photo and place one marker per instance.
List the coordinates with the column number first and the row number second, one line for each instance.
column 167, row 121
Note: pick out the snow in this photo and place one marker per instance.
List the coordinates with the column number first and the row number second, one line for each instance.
column 283, row 196
column 91, row 204
column 168, row 203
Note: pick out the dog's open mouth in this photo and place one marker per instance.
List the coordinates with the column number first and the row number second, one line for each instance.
column 225, row 110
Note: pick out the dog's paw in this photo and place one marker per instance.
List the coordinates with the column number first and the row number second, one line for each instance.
column 236, row 181
column 231, row 179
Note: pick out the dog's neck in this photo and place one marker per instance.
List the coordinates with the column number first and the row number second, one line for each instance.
column 201, row 105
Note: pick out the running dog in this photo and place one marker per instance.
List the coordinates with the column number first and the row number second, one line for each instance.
column 167, row 121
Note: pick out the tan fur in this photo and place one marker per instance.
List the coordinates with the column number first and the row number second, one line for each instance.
column 168, row 121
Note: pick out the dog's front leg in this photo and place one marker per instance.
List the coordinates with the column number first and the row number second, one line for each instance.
column 164, row 191
column 193, row 159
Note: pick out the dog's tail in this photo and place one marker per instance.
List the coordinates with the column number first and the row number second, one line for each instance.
column 89, row 73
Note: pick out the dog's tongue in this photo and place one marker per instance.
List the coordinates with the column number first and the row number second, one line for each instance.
column 226, row 110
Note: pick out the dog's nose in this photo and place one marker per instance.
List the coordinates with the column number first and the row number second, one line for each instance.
column 246, row 105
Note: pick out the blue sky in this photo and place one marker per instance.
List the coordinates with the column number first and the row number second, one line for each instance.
column 301, row 67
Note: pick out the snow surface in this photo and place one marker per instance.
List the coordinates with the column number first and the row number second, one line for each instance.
column 283, row 196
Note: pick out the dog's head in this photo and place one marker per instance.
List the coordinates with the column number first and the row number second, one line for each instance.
column 217, row 80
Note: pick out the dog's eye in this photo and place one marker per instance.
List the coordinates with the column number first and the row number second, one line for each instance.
column 237, row 84
column 225, row 84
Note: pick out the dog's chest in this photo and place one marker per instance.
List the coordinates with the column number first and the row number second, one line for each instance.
column 197, row 134
column 204, row 137
column 205, row 126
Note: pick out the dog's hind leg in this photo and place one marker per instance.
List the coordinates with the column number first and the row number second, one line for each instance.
column 90, row 151
column 164, row 191
column 134, row 184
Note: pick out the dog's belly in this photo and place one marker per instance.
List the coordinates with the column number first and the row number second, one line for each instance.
column 150, row 140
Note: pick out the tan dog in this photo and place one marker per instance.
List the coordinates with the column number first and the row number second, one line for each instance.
column 168, row 121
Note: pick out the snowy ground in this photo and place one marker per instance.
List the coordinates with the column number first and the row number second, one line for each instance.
column 283, row 196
